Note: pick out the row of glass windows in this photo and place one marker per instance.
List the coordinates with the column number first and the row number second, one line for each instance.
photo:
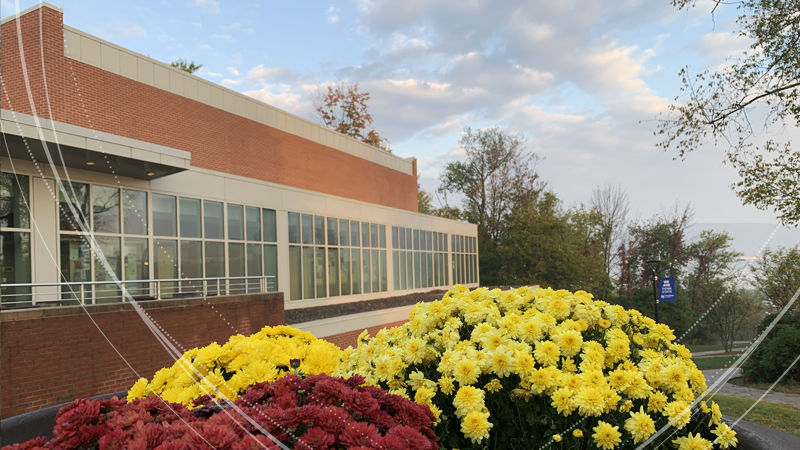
column 419, row 269
column 464, row 244
column 464, row 259
column 317, row 272
column 318, row 230
column 172, row 216
column 15, row 237
column 410, row 239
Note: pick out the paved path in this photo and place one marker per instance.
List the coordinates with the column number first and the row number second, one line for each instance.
column 745, row 392
column 720, row 352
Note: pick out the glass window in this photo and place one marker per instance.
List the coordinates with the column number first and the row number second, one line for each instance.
column 109, row 248
column 382, row 236
column 401, row 238
column 13, row 201
column 236, row 267
column 355, row 270
column 375, row 269
column 294, row 228
column 15, row 266
column 134, row 212
column 271, row 266
column 190, row 217
column 373, row 235
column 213, row 222
column 354, row 238
column 382, row 257
column 308, row 225
column 235, row 222
column 105, row 208
column 319, row 230
column 344, row 232
column 395, row 264
column 78, row 197
column 253, row 223
column 191, row 259
column 319, row 271
column 366, row 283
column 394, row 237
column 136, row 266
column 333, row 272
column 295, row 269
column 344, row 270
column 164, row 219
column 75, row 264
column 308, row 272
column 333, row 231
column 364, row 234
column 268, row 222
column 409, row 270
column 215, row 266
column 254, row 260
column 416, row 239
column 166, row 256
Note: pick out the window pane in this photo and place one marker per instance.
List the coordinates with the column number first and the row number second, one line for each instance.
column 417, row 270
column 364, row 234
column 382, row 236
column 236, row 268
column 355, row 269
column 15, row 267
column 416, row 239
column 354, row 238
column 254, row 260
column 13, row 199
column 268, row 221
column 271, row 266
column 136, row 266
column 394, row 237
column 366, row 283
column 192, row 267
column 78, row 197
column 409, row 271
column 333, row 271
column 344, row 232
column 375, row 270
column 401, row 238
column 212, row 220
column 75, row 265
column 395, row 264
column 307, row 225
column 235, row 222
column 294, row 229
column 253, row 220
column 382, row 257
column 109, row 249
column 134, row 212
column 295, row 279
column 319, row 271
column 435, row 242
column 308, row 272
column 344, row 270
column 166, row 255
column 164, row 218
column 319, row 230
column 373, row 235
column 190, row 217
column 215, row 267
column 333, row 231
column 105, row 208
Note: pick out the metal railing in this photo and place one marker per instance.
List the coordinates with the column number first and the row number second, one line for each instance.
column 33, row 295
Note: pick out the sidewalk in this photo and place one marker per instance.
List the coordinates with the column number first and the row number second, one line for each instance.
column 745, row 392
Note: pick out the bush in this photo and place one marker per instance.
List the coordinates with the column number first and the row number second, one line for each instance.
column 777, row 351
column 226, row 371
column 505, row 369
column 317, row 412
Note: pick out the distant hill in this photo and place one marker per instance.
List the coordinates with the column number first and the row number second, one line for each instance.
column 750, row 238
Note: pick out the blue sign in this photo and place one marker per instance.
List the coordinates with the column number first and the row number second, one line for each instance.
column 666, row 289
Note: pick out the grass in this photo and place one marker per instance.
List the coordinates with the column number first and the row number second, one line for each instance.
column 709, row 347
column 787, row 387
column 779, row 417
column 714, row 362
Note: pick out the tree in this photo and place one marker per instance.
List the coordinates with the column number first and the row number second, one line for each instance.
column 721, row 105
column 344, row 108
column 777, row 275
column 610, row 205
column 185, row 65
column 424, row 200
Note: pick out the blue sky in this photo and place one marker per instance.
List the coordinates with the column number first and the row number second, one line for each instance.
column 582, row 81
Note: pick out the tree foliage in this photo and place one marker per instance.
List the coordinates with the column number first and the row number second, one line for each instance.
column 186, row 66
column 777, row 275
column 760, row 85
column 610, row 204
column 343, row 107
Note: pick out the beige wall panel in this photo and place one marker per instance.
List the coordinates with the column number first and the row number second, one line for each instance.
column 72, row 44
column 203, row 92
column 90, row 51
column 161, row 77
column 146, row 71
column 44, row 245
column 109, row 59
column 128, row 66
column 176, row 82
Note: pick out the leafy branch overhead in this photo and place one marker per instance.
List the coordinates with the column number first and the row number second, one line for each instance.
column 737, row 104
column 344, row 108
column 186, row 66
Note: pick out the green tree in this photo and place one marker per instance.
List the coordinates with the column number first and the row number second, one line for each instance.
column 721, row 105
column 185, row 65
column 610, row 205
column 777, row 275
column 344, row 108
column 424, row 201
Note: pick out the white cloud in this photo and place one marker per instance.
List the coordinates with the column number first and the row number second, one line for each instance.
column 223, row 37
column 210, row 6
column 333, row 14
column 233, row 71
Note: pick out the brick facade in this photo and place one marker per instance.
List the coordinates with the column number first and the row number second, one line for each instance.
column 70, row 91
column 50, row 356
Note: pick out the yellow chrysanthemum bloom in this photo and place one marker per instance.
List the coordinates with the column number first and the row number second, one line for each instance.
column 606, row 436
column 569, row 342
column 678, row 412
column 577, row 432
column 468, row 399
column 476, row 426
column 546, row 353
column 640, row 426
column 692, row 442
column 726, row 437
column 466, row 372
column 656, row 402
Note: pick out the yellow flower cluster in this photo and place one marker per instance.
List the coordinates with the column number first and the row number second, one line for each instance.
column 585, row 358
column 226, row 371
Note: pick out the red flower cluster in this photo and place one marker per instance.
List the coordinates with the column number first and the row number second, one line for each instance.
column 318, row 412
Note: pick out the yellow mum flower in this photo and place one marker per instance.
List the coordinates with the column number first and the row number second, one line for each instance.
column 640, row 426
column 716, row 414
column 466, row 372
column 557, row 437
column 493, row 386
column 590, row 401
column 726, row 437
column 476, row 426
column 137, row 390
column 446, row 385
column 546, row 353
column 424, row 395
column 569, row 342
column 562, row 401
column 657, row 401
column 468, row 399
column 692, row 442
column 606, row 436
column 577, row 432
column 678, row 412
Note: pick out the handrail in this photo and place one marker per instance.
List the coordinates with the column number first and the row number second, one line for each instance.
column 149, row 280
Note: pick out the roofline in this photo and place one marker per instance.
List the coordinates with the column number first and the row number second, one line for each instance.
column 30, row 9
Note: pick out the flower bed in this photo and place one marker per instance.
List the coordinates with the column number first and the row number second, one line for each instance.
column 318, row 412
column 505, row 369
column 226, row 371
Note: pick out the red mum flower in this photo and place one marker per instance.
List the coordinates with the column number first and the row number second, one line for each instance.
column 315, row 438
column 361, row 434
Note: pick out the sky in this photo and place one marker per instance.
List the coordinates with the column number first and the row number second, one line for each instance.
column 582, row 81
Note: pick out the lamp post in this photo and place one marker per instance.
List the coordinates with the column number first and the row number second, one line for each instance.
column 653, row 265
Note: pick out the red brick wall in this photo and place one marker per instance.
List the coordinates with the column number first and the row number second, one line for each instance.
column 50, row 356
column 343, row 340
column 90, row 97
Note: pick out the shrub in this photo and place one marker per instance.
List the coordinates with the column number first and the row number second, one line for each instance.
column 226, row 371
column 505, row 369
column 317, row 412
column 776, row 353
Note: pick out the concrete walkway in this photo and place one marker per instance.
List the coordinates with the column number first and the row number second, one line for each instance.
column 745, row 392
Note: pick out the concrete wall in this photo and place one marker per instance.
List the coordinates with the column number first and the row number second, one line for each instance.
column 54, row 355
